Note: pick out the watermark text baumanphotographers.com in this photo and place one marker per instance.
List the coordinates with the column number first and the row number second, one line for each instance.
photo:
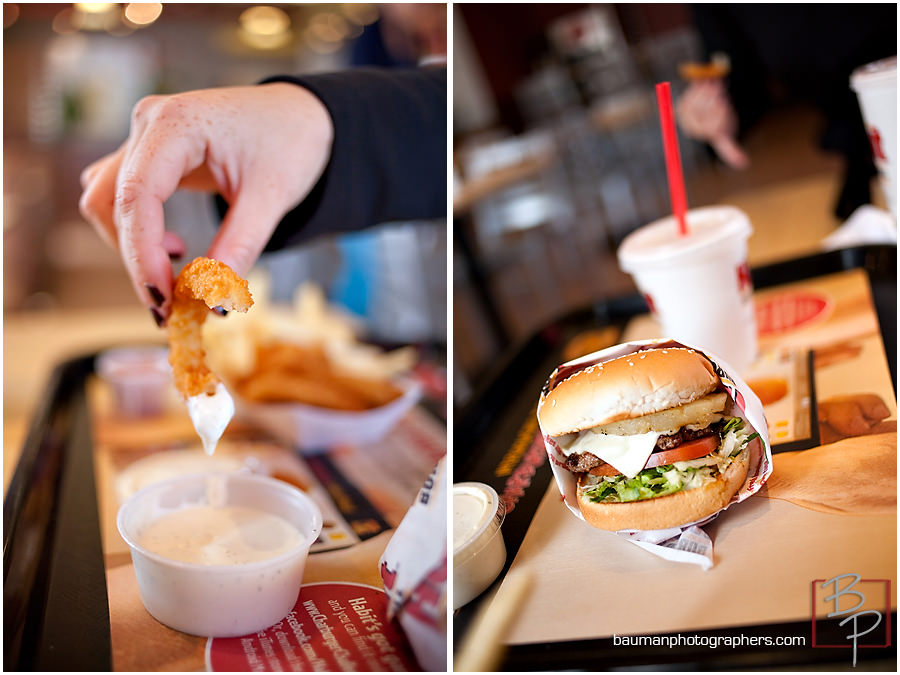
column 710, row 641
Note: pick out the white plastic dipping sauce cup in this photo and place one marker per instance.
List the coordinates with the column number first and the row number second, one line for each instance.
column 218, row 554
column 478, row 549
column 140, row 378
column 698, row 286
column 875, row 85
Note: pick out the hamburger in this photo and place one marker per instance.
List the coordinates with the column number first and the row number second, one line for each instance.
column 651, row 437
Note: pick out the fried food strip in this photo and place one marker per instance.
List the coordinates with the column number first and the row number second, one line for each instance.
column 202, row 284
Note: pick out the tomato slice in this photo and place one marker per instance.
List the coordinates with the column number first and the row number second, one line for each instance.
column 690, row 450
column 604, row 469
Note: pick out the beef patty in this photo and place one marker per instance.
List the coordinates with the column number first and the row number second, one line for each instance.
column 583, row 462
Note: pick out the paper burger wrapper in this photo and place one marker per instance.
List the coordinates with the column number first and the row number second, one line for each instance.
column 414, row 571
column 688, row 542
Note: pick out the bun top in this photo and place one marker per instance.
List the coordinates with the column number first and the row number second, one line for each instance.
column 630, row 386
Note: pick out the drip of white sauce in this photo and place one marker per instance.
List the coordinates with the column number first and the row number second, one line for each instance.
column 210, row 415
column 230, row 535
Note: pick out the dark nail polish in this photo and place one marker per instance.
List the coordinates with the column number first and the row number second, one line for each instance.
column 157, row 316
column 175, row 256
column 158, row 298
column 221, row 311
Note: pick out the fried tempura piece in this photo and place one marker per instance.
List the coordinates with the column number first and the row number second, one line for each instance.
column 201, row 285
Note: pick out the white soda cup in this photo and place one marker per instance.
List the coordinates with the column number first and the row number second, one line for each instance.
column 875, row 85
column 698, row 286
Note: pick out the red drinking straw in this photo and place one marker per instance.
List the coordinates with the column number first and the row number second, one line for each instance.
column 673, row 156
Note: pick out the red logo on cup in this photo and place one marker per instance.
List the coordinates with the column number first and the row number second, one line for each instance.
column 649, row 301
column 745, row 283
column 875, row 142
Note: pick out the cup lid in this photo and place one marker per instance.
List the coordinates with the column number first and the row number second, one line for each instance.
column 492, row 512
column 660, row 244
column 876, row 74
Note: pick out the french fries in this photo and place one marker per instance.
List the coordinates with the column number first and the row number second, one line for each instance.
column 287, row 372
column 305, row 353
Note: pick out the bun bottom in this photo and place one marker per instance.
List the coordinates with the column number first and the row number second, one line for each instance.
column 672, row 510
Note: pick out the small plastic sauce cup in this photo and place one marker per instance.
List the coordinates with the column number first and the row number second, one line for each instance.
column 479, row 552
column 219, row 600
column 140, row 377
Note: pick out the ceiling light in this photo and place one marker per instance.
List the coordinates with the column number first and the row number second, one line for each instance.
column 360, row 13
column 264, row 20
column 95, row 15
column 10, row 14
column 329, row 27
column 143, row 13
column 63, row 22
column 94, row 7
column 267, row 42
column 317, row 44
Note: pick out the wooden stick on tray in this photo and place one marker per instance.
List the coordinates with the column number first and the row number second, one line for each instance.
column 483, row 648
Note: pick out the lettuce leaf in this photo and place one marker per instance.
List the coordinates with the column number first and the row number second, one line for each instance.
column 671, row 478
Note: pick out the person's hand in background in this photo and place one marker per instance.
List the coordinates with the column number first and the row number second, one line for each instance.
column 263, row 148
column 705, row 113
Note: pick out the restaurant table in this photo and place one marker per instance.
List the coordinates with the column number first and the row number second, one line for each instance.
column 831, row 316
column 71, row 599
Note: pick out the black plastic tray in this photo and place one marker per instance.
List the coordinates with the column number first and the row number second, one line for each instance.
column 55, row 611
column 55, row 603
column 486, row 429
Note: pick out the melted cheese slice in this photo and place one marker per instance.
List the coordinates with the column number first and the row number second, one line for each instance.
column 628, row 454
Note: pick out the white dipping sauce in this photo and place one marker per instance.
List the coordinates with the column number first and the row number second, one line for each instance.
column 478, row 549
column 210, row 415
column 227, row 535
column 219, row 555
column 470, row 511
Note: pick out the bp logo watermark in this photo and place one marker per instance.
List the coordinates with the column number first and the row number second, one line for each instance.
column 850, row 612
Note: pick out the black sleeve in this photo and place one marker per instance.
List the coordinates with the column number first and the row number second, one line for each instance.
column 389, row 155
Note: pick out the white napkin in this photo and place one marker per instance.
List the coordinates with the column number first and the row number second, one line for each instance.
column 867, row 225
column 688, row 545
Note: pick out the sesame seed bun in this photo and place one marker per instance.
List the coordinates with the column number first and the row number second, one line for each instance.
column 630, row 386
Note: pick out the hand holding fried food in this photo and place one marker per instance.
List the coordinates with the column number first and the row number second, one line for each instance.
column 202, row 285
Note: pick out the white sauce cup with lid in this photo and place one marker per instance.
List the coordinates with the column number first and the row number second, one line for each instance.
column 219, row 597
column 479, row 552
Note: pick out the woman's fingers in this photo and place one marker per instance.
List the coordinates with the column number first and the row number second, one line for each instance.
column 247, row 227
column 730, row 152
column 173, row 245
column 96, row 203
column 263, row 148
column 149, row 175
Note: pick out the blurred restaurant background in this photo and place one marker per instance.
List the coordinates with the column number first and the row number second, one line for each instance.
column 73, row 72
column 558, row 153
